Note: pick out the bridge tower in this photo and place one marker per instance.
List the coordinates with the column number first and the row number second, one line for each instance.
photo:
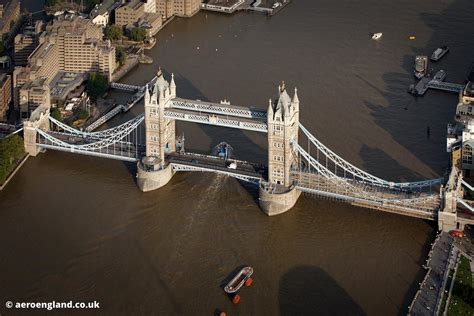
column 39, row 119
column 153, row 170
column 278, row 195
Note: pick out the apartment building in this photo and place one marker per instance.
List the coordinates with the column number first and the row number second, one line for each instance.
column 5, row 95
column 182, row 8
column 26, row 42
column 130, row 12
column 33, row 94
column 69, row 44
column 9, row 17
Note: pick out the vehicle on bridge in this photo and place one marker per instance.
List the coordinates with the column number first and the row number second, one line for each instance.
column 232, row 165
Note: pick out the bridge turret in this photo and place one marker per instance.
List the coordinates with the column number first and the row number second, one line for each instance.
column 282, row 121
column 278, row 195
column 39, row 119
column 172, row 86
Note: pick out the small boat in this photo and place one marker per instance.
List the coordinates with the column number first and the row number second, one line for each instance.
column 412, row 37
column 239, row 280
column 376, row 36
column 439, row 53
column 440, row 75
column 421, row 66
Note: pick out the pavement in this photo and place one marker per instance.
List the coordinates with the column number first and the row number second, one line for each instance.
column 441, row 258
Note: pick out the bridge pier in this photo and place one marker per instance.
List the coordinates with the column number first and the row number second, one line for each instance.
column 152, row 176
column 275, row 200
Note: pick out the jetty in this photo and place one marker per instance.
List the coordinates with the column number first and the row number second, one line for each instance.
column 426, row 83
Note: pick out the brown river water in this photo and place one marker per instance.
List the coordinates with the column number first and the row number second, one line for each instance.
column 77, row 228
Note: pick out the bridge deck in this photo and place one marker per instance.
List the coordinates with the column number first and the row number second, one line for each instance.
column 216, row 164
column 412, row 204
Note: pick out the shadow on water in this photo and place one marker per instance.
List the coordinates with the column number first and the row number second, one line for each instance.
column 308, row 290
column 185, row 89
column 159, row 281
column 435, row 109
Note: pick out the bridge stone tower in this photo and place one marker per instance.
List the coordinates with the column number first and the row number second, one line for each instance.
column 39, row 119
column 278, row 195
column 160, row 132
column 153, row 170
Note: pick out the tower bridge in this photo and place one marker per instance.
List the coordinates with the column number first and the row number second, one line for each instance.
column 150, row 140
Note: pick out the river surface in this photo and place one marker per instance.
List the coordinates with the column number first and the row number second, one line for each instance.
column 77, row 228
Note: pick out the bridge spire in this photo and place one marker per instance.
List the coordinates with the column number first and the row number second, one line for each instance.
column 295, row 97
column 172, row 86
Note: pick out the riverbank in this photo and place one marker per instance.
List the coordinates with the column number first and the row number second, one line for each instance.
column 14, row 171
column 441, row 260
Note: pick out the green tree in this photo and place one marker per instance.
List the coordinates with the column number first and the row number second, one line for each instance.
column 120, row 55
column 113, row 32
column 138, row 34
column 56, row 114
column 97, row 85
column 82, row 114
column 50, row 3
column 11, row 151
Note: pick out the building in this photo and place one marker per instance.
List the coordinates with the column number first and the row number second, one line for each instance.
column 33, row 94
column 26, row 42
column 181, row 8
column 130, row 12
column 9, row 18
column 186, row 8
column 5, row 95
column 70, row 44
column 282, row 120
column 465, row 107
column 102, row 12
column 151, row 22
column 165, row 8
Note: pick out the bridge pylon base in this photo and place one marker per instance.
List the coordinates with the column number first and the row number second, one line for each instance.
column 277, row 200
column 149, row 179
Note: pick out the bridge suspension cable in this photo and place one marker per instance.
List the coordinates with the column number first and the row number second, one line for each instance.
column 100, row 134
column 361, row 174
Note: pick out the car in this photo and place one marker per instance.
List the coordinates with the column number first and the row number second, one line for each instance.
column 194, row 161
column 232, row 165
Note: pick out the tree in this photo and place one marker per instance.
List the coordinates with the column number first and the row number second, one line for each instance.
column 50, row 3
column 138, row 34
column 120, row 55
column 97, row 85
column 82, row 114
column 2, row 47
column 11, row 151
column 113, row 32
column 55, row 113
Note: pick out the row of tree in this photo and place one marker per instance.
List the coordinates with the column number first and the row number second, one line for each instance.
column 115, row 32
column 11, row 152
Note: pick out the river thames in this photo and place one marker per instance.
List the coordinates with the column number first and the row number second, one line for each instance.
column 77, row 228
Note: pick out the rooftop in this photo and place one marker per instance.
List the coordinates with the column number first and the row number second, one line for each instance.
column 106, row 6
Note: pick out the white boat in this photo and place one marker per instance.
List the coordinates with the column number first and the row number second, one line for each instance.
column 377, row 36
column 439, row 53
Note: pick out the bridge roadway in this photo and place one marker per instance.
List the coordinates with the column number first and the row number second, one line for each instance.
column 120, row 150
column 196, row 162
column 415, row 204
